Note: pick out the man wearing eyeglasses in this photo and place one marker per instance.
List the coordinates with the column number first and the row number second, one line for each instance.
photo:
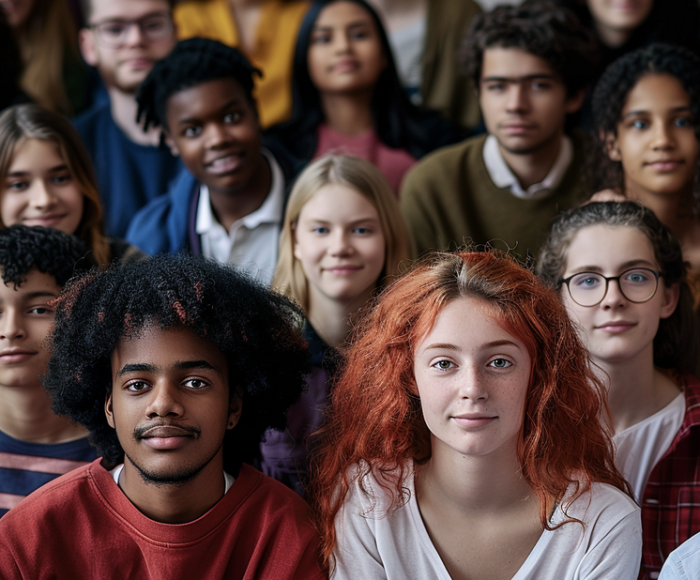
column 123, row 39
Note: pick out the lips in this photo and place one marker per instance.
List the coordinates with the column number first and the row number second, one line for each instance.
column 166, row 437
column 16, row 355
column 616, row 326
column 44, row 220
column 345, row 65
column 665, row 164
column 225, row 164
column 344, row 270
column 474, row 420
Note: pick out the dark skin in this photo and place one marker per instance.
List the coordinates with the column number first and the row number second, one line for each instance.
column 214, row 128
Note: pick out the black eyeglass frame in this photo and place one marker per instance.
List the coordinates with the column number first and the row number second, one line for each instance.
column 167, row 15
column 607, row 279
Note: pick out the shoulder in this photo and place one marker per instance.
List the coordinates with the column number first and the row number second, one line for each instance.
column 684, row 561
column 93, row 121
column 601, row 510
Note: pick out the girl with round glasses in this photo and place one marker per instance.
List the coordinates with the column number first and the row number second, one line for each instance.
column 621, row 274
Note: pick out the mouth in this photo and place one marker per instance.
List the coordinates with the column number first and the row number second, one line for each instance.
column 166, row 437
column 665, row 164
column 15, row 355
column 517, row 128
column 474, row 420
column 345, row 65
column 616, row 326
column 225, row 164
column 345, row 270
column 138, row 63
column 44, row 220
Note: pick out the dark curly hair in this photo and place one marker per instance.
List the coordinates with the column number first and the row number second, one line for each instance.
column 550, row 32
column 192, row 62
column 258, row 331
column 398, row 122
column 24, row 248
column 676, row 343
column 610, row 96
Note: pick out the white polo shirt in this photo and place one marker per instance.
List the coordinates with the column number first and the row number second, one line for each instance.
column 253, row 240
column 503, row 177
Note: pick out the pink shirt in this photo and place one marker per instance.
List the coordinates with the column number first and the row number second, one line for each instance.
column 393, row 163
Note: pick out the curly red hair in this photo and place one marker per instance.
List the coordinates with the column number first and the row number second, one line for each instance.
column 375, row 419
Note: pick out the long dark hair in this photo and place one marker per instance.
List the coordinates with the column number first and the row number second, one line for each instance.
column 398, row 123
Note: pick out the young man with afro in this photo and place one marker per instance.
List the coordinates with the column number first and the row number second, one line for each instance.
column 36, row 445
column 530, row 65
column 230, row 203
column 166, row 362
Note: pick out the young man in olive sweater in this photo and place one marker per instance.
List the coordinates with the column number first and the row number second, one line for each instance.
column 530, row 66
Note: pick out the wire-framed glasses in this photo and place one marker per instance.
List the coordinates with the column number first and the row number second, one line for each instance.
column 113, row 33
column 589, row 288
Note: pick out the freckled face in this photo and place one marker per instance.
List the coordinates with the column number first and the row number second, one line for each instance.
column 472, row 379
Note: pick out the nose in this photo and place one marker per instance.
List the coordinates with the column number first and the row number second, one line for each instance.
column 165, row 401
column 133, row 35
column 41, row 196
column 216, row 135
column 341, row 42
column 473, row 385
column 614, row 298
column 11, row 326
column 518, row 100
column 663, row 136
column 340, row 244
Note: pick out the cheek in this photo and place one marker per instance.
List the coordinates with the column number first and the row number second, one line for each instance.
column 10, row 207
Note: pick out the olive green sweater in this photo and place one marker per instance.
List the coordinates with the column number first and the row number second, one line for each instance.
column 448, row 199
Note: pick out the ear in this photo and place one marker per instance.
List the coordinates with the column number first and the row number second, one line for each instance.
column 235, row 408
column 170, row 142
column 109, row 413
column 671, row 297
column 88, row 47
column 574, row 102
column 611, row 147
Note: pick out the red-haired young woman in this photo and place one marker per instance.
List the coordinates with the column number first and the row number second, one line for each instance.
column 464, row 437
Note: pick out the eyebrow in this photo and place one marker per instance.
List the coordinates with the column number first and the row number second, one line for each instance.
column 355, row 24
column 646, row 112
column 62, row 167
column 494, row 343
column 357, row 221
column 180, row 365
column 519, row 79
column 189, row 120
column 624, row 266
column 34, row 295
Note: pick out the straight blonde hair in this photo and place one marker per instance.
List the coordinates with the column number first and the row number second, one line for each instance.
column 367, row 180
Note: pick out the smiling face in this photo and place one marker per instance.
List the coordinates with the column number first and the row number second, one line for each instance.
column 523, row 100
column 616, row 330
column 39, row 189
column 127, row 65
column 215, row 130
column 472, row 378
column 345, row 54
column 656, row 141
column 170, row 405
column 25, row 322
column 340, row 244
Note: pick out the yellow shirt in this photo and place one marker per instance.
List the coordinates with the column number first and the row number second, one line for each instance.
column 274, row 45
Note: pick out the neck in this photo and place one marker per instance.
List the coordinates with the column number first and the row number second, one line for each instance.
column 531, row 168
column 398, row 14
column 175, row 504
column 612, row 37
column 331, row 318
column 25, row 414
column 636, row 389
column 229, row 206
column 473, row 485
column 123, row 106
column 349, row 114
column 673, row 209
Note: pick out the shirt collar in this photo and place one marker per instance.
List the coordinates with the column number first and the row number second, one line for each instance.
column 503, row 177
column 271, row 211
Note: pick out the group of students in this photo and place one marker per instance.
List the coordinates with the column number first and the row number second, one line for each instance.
column 460, row 417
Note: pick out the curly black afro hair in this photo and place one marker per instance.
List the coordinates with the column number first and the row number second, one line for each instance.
column 258, row 331
column 192, row 62
column 610, row 96
column 23, row 248
column 550, row 32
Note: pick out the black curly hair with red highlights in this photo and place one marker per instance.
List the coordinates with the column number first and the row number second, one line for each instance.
column 258, row 331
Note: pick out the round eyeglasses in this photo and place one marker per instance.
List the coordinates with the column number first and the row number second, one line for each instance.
column 589, row 288
column 153, row 28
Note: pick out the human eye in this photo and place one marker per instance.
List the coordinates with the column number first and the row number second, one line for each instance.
column 191, row 131
column 586, row 281
column 320, row 230
column 233, row 117
column 113, row 29
column 320, row 38
column 136, row 386
column 195, row 383
column 17, row 186
column 41, row 310
column 683, row 122
column 443, row 364
column 362, row 230
column 360, row 33
column 495, row 86
column 639, row 124
column 637, row 276
column 154, row 23
column 500, row 363
column 62, row 178
column 540, row 85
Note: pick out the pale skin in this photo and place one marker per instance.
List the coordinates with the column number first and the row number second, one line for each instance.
column 400, row 14
column 331, row 318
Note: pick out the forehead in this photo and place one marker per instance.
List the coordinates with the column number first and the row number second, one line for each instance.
column 608, row 248
column 514, row 63
column 32, row 153
column 205, row 99
column 342, row 14
column 656, row 92
column 35, row 282
column 338, row 202
column 125, row 9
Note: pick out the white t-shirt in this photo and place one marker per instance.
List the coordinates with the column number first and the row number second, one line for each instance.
column 640, row 447
column 397, row 546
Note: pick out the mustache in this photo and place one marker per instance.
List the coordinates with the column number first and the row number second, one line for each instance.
column 142, row 432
